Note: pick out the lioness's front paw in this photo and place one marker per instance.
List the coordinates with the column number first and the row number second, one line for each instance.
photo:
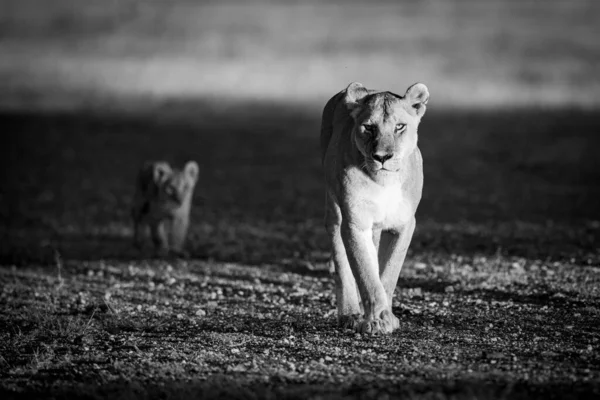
column 386, row 323
column 393, row 319
column 349, row 321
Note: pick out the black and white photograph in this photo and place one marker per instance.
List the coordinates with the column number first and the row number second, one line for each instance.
column 285, row 199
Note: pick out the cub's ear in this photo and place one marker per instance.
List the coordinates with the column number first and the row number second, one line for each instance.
column 417, row 96
column 160, row 171
column 355, row 92
column 191, row 170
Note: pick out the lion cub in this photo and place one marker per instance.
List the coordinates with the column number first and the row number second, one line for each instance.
column 162, row 200
column 374, row 178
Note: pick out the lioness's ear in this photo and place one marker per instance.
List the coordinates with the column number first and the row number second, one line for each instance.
column 191, row 170
column 161, row 171
column 417, row 95
column 355, row 92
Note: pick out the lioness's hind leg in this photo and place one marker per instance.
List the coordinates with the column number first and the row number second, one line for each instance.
column 376, row 238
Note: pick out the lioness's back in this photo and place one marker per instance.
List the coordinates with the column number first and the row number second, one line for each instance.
column 327, row 121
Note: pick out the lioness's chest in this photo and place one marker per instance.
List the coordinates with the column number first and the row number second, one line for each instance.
column 392, row 208
column 385, row 207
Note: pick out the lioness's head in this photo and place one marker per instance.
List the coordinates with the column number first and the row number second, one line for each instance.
column 385, row 128
column 174, row 185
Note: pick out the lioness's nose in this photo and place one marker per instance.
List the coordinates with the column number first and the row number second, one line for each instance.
column 381, row 156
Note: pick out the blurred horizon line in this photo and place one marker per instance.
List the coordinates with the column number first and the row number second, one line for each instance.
column 470, row 54
column 82, row 100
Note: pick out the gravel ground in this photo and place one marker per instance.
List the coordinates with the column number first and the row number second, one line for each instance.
column 499, row 297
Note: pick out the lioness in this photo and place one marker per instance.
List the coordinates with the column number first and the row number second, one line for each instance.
column 163, row 196
column 374, row 178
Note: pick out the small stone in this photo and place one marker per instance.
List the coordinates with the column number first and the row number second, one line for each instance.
column 549, row 354
column 496, row 355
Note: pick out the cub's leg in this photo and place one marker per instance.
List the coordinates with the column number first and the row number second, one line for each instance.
column 159, row 237
column 346, row 293
column 392, row 252
column 179, row 228
column 362, row 256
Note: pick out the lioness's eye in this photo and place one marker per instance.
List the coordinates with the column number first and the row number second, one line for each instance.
column 368, row 128
column 400, row 128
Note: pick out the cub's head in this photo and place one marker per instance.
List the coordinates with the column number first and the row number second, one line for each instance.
column 174, row 185
column 385, row 124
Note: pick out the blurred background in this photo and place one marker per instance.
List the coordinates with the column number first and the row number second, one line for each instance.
column 471, row 53
column 91, row 88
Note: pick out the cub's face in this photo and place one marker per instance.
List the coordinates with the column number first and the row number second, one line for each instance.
column 175, row 186
column 385, row 129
